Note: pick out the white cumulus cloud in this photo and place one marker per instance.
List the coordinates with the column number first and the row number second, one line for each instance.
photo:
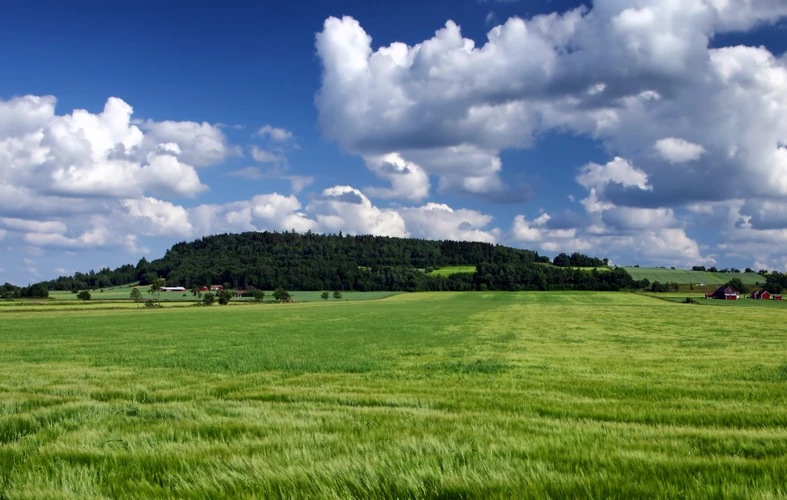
column 678, row 150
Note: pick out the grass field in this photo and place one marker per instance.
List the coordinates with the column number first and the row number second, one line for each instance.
column 695, row 277
column 701, row 300
column 123, row 293
column 119, row 292
column 440, row 395
column 449, row 270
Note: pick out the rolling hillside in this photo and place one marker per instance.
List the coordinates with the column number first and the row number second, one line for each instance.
column 690, row 277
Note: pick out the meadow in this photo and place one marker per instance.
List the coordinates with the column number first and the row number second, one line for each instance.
column 686, row 277
column 449, row 270
column 432, row 395
column 123, row 293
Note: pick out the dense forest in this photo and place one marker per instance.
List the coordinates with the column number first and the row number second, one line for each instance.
column 776, row 282
column 267, row 260
column 576, row 259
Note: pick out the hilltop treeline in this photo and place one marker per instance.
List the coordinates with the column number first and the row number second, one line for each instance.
column 37, row 291
column 269, row 260
column 577, row 259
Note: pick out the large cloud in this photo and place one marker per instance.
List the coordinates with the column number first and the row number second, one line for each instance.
column 82, row 154
column 642, row 78
column 685, row 124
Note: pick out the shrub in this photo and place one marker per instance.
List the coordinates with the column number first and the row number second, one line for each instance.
column 224, row 297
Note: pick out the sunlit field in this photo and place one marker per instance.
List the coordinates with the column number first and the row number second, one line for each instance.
column 433, row 395
column 712, row 280
column 449, row 270
column 119, row 298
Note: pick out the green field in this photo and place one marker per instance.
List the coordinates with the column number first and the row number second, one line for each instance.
column 687, row 277
column 433, row 395
column 449, row 270
column 123, row 293
column 118, row 292
column 701, row 300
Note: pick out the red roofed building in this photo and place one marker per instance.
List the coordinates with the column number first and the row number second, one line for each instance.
column 723, row 293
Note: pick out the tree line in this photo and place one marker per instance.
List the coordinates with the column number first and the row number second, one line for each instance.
column 577, row 259
column 292, row 261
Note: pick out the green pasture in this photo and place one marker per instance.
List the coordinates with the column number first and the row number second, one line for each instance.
column 124, row 293
column 695, row 277
column 432, row 395
column 701, row 300
column 114, row 293
column 449, row 270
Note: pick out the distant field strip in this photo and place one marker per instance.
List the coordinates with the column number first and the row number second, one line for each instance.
column 124, row 293
column 431, row 395
column 688, row 277
column 449, row 270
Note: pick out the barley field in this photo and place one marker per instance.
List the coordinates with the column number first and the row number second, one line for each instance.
column 434, row 395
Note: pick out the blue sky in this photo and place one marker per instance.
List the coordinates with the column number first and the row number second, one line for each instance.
column 651, row 132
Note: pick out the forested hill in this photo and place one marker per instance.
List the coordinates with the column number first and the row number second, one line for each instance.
column 334, row 262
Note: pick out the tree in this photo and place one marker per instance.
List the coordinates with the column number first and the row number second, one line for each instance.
column 337, row 295
column 281, row 295
column 84, row 295
column 136, row 296
column 562, row 260
column 324, row 295
column 208, row 299
column 155, row 287
column 224, row 297
column 738, row 285
column 196, row 291
column 37, row 291
column 148, row 278
column 258, row 295
column 748, row 270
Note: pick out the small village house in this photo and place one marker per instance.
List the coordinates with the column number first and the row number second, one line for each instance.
column 761, row 295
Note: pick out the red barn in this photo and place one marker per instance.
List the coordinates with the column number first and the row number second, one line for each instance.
column 761, row 295
column 724, row 293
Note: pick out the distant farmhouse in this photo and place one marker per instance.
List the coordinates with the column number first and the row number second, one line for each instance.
column 764, row 295
column 760, row 295
column 724, row 293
